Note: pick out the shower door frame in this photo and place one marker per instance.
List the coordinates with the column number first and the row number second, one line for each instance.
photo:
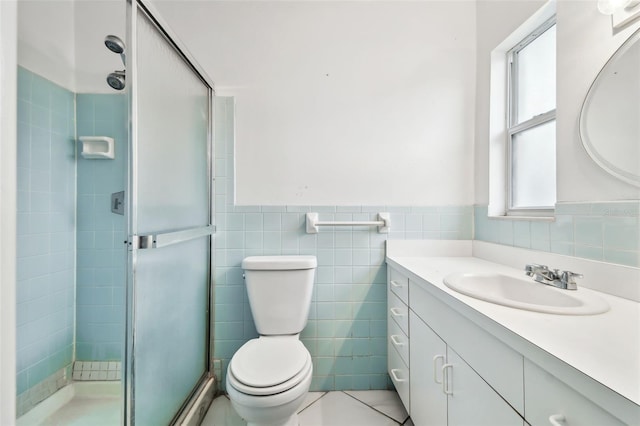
column 134, row 7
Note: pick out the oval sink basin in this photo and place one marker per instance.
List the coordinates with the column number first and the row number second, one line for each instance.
column 525, row 294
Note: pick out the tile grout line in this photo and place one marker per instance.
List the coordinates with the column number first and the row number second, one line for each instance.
column 374, row 409
column 325, row 393
column 318, row 399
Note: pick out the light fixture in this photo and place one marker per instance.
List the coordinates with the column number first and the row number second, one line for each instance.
column 609, row 7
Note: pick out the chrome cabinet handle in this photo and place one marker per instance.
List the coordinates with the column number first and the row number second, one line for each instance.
column 395, row 375
column 435, row 368
column 557, row 419
column 394, row 339
column 445, row 379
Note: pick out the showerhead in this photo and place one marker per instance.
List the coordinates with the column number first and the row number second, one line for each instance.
column 114, row 44
column 116, row 80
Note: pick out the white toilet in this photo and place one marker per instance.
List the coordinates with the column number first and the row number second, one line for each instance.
column 268, row 378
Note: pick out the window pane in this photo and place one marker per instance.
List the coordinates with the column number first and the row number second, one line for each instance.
column 536, row 77
column 533, row 167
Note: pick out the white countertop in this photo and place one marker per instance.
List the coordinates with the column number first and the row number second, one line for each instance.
column 605, row 347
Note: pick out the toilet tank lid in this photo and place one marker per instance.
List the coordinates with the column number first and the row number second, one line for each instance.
column 279, row 263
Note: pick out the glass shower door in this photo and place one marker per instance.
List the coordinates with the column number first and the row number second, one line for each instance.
column 169, row 225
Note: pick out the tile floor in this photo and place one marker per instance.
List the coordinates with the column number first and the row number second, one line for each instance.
column 348, row 408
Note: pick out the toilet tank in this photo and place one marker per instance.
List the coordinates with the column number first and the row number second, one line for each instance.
column 279, row 289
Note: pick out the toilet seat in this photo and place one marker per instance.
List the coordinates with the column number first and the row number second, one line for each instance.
column 269, row 365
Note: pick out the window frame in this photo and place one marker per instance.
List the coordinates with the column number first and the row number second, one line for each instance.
column 513, row 129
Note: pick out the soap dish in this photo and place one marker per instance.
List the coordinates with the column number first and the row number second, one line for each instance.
column 97, row 147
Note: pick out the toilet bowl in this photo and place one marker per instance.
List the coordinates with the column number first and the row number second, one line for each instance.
column 269, row 377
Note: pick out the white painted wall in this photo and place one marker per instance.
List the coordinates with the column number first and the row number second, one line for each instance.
column 585, row 43
column 46, row 37
column 391, row 123
column 343, row 103
column 63, row 41
column 94, row 20
column 8, row 101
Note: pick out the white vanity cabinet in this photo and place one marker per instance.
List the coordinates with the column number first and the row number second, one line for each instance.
column 453, row 366
column 436, row 384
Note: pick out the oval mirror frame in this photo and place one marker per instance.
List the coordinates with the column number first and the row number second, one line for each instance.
column 591, row 145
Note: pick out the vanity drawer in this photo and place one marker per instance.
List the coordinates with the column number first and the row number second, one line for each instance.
column 399, row 285
column 496, row 362
column 398, row 311
column 547, row 397
column 399, row 373
column 399, row 340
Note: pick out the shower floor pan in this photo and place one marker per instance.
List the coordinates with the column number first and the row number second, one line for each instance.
column 80, row 403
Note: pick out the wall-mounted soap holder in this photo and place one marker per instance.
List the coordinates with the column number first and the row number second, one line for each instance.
column 97, row 147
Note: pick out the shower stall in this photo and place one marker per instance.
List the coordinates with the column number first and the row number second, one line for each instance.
column 115, row 221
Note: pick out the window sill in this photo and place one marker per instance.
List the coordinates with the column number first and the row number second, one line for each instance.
column 528, row 218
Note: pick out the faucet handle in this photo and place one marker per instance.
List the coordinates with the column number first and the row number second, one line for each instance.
column 568, row 279
column 533, row 268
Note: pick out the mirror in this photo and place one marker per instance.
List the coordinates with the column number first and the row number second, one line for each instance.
column 610, row 117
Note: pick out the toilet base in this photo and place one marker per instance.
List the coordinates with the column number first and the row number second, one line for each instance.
column 280, row 415
column 291, row 421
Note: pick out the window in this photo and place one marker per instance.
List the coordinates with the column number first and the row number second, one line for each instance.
column 531, row 123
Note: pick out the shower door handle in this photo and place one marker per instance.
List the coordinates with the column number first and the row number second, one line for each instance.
column 151, row 241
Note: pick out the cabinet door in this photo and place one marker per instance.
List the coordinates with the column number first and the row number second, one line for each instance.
column 427, row 356
column 471, row 400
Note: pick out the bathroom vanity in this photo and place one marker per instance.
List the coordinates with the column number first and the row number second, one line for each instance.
column 459, row 360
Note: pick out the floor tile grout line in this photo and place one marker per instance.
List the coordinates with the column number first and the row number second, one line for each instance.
column 400, row 422
column 318, row 399
column 377, row 411
column 325, row 393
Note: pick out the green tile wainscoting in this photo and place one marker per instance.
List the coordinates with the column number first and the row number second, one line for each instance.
column 605, row 231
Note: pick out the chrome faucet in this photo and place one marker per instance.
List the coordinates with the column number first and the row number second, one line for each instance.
column 560, row 279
